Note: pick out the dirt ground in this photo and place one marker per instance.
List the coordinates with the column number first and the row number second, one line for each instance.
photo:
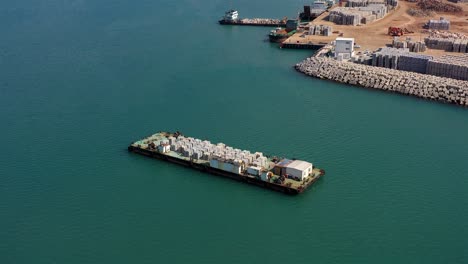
column 374, row 35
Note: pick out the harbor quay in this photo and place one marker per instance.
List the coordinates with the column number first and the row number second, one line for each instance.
column 425, row 86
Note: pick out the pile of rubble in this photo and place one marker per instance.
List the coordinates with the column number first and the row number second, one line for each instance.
column 438, row 6
column 446, row 35
column 420, row 13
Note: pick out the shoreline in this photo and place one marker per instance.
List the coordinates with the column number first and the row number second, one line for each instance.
column 424, row 86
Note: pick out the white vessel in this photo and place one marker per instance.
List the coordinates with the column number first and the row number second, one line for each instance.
column 231, row 15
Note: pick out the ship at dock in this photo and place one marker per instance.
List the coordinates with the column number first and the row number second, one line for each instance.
column 285, row 175
column 280, row 34
column 231, row 17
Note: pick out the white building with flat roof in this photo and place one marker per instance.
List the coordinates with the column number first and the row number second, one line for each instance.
column 300, row 169
column 344, row 48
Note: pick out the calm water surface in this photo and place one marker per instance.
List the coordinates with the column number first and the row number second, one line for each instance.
column 81, row 79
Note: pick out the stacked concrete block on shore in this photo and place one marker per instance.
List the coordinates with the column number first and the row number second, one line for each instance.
column 364, row 3
column 392, row 3
column 442, row 24
column 447, row 44
column 421, row 85
column 365, row 59
column 357, row 3
column 413, row 62
column 320, row 30
column 345, row 16
column 450, row 66
column 387, row 57
column 413, row 46
column 357, row 15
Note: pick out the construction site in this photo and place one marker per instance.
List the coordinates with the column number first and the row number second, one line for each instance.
column 414, row 48
column 375, row 23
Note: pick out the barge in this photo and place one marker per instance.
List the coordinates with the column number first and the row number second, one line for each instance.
column 284, row 175
column 231, row 17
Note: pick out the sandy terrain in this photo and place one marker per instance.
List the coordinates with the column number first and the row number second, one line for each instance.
column 374, row 35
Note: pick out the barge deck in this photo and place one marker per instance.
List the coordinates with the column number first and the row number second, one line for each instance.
column 153, row 146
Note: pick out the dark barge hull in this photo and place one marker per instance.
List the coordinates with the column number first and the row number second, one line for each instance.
column 301, row 46
column 208, row 169
column 239, row 23
column 277, row 39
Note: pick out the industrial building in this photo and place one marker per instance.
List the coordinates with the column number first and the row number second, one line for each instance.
column 296, row 169
column 344, row 48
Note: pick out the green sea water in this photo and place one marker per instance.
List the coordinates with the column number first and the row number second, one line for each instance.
column 81, row 79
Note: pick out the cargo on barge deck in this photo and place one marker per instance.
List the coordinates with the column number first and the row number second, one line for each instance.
column 172, row 147
column 252, row 22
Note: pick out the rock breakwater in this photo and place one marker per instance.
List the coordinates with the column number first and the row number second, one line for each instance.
column 421, row 85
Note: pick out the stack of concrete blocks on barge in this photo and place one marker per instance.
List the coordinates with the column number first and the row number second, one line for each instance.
column 441, row 24
column 421, row 85
column 320, row 30
column 413, row 46
column 261, row 21
column 451, row 66
column 220, row 156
